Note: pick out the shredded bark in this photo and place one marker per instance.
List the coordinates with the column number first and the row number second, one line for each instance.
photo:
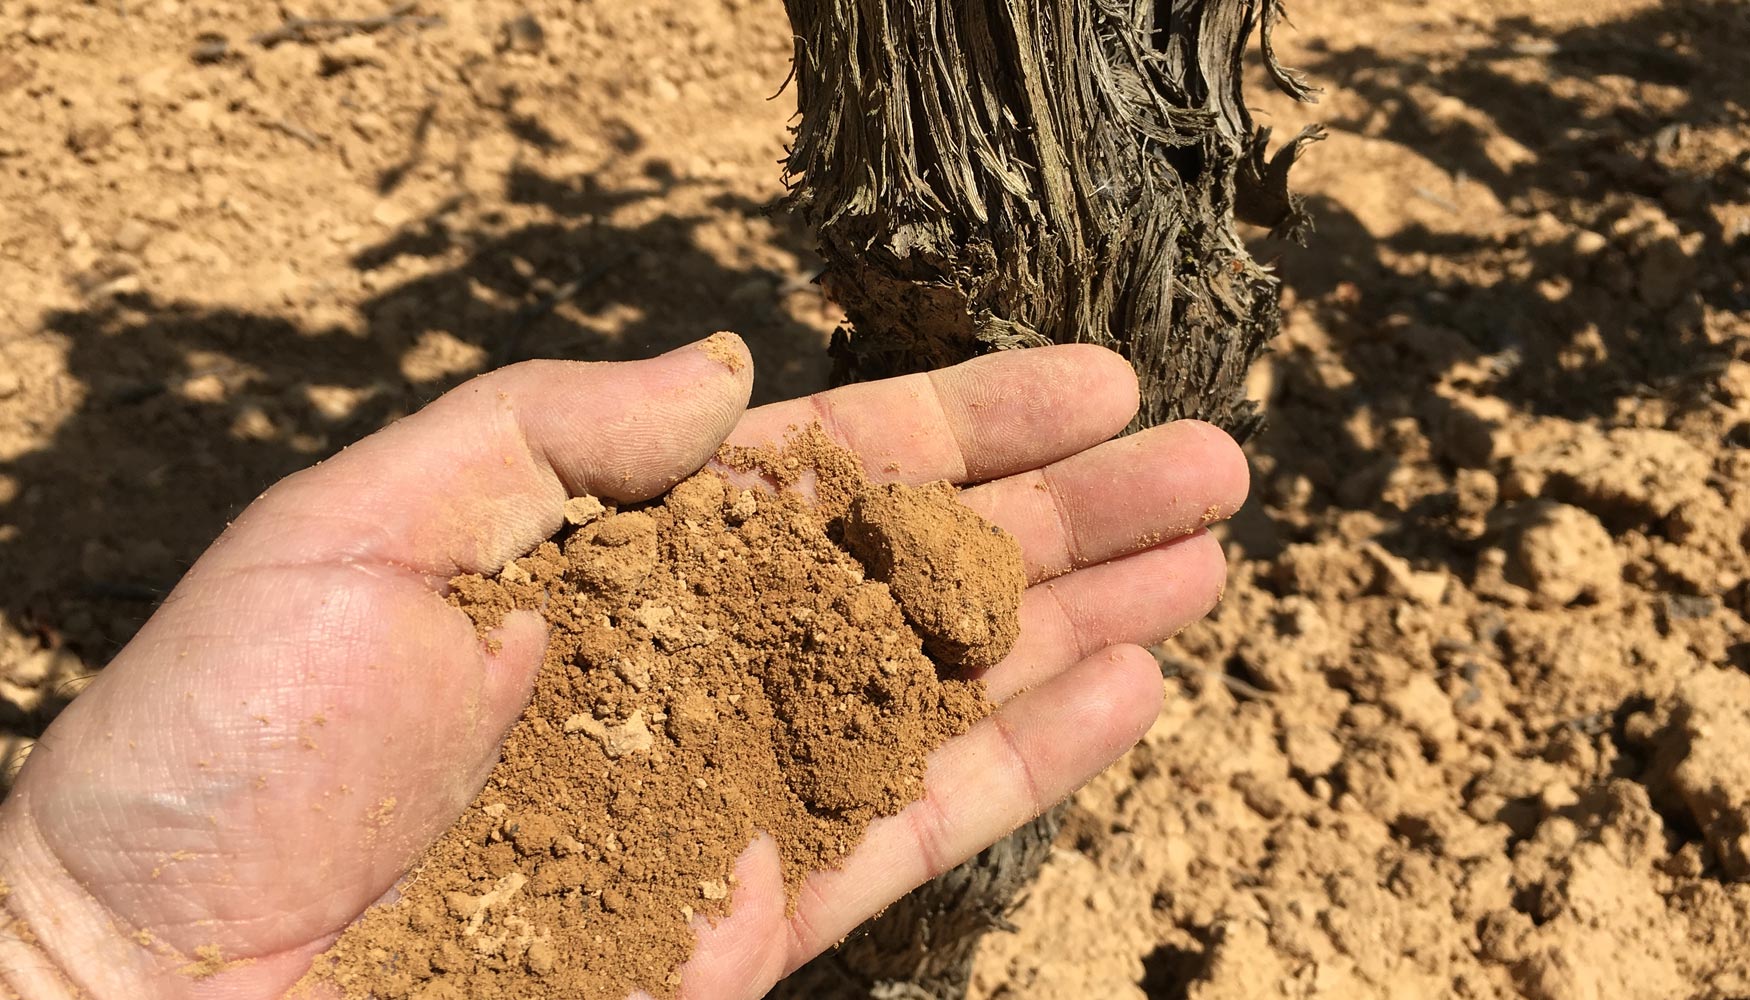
column 1009, row 173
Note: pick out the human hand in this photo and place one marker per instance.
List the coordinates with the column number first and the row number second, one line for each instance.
column 209, row 794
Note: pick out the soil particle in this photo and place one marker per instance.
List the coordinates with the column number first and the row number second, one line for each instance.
column 1627, row 474
column 959, row 587
column 1561, row 553
column 718, row 665
column 613, row 555
column 582, row 510
column 209, row 961
column 1707, row 760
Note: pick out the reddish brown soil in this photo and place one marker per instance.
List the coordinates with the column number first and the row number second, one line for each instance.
column 1471, row 721
column 719, row 667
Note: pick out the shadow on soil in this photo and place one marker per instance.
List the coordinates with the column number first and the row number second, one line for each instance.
column 1591, row 292
column 189, row 413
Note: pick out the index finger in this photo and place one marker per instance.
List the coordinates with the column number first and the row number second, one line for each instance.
column 992, row 416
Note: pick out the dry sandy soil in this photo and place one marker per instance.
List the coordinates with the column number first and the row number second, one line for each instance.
column 1474, row 719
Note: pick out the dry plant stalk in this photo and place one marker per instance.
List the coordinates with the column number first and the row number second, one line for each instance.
column 994, row 174
column 989, row 174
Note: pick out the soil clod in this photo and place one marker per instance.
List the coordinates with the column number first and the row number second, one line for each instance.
column 718, row 666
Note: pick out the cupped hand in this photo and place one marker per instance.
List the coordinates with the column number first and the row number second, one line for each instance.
column 206, row 818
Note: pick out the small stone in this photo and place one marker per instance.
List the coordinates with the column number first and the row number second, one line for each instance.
column 1557, row 796
column 653, row 616
column 43, row 29
column 541, row 957
column 353, row 50
column 631, row 736
column 390, row 215
column 210, row 47
column 1586, row 243
column 697, row 498
column 132, row 236
column 1424, row 707
column 1476, row 491
column 714, row 889
column 1561, row 553
column 1425, row 587
column 335, row 402
column 691, row 719
column 532, row 834
column 614, row 554
column 582, row 510
column 461, row 905
column 208, row 388
column 1311, row 750
column 199, row 113
column 742, row 509
column 449, row 957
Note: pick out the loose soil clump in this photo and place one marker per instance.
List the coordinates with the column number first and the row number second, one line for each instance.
column 720, row 664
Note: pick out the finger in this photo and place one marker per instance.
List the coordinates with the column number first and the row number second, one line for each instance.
column 1120, row 497
column 1030, row 753
column 1141, row 598
column 742, row 954
column 991, row 416
column 482, row 474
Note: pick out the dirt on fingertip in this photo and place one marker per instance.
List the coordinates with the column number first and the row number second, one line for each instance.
column 720, row 665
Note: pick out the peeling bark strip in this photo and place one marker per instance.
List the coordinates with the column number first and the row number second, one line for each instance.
column 989, row 174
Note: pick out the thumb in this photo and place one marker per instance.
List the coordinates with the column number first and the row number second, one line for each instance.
column 307, row 694
column 481, row 475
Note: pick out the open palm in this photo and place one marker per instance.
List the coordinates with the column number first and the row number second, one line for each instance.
column 305, row 713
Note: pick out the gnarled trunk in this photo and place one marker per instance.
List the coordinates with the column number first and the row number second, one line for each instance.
column 994, row 174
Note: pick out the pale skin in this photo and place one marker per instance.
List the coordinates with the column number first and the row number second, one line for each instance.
column 305, row 713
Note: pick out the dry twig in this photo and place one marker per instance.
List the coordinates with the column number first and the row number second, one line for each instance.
column 315, row 29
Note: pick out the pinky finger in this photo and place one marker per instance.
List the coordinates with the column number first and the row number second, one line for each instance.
column 1033, row 751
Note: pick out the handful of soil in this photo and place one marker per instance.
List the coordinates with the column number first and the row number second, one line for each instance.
column 721, row 662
